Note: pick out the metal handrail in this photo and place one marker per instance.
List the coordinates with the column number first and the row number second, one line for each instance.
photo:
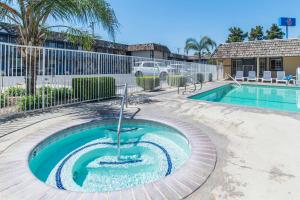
column 194, row 83
column 234, row 80
column 124, row 100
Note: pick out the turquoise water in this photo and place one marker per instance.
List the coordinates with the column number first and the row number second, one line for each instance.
column 84, row 158
column 273, row 97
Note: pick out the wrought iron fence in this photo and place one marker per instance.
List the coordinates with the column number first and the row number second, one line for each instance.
column 33, row 78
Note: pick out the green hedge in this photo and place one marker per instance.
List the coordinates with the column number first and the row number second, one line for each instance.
column 176, row 81
column 30, row 102
column 3, row 100
column 15, row 91
column 93, row 88
column 200, row 78
column 57, row 93
column 148, row 83
column 53, row 96
column 210, row 77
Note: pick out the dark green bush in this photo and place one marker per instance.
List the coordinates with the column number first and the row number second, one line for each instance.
column 210, row 77
column 148, row 83
column 3, row 100
column 53, row 96
column 57, row 94
column 200, row 78
column 15, row 91
column 29, row 102
column 176, row 81
column 93, row 88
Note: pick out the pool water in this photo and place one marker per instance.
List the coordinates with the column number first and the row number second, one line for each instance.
column 261, row 96
column 85, row 158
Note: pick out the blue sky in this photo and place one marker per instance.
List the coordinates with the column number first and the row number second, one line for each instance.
column 170, row 22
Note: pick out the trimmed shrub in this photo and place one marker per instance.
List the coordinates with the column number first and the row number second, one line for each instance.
column 57, row 94
column 93, row 88
column 200, row 78
column 210, row 77
column 176, row 81
column 15, row 91
column 148, row 83
column 3, row 100
column 53, row 96
column 30, row 102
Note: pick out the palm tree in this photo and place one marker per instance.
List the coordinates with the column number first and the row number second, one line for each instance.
column 204, row 46
column 31, row 17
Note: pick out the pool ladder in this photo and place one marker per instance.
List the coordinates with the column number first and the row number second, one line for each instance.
column 124, row 101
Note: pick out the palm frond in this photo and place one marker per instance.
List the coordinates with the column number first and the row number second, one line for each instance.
column 83, row 11
column 191, row 44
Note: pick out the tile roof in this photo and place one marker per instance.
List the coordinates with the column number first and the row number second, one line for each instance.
column 264, row 48
column 148, row 47
column 57, row 36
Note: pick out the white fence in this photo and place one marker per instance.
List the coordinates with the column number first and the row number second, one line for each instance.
column 33, row 78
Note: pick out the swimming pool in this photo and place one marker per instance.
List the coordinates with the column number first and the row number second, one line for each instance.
column 85, row 158
column 261, row 96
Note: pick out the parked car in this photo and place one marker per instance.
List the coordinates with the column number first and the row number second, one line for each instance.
column 152, row 68
column 181, row 68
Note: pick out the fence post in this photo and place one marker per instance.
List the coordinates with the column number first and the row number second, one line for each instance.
column 43, row 79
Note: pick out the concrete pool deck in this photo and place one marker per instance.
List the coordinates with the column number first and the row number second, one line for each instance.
column 258, row 149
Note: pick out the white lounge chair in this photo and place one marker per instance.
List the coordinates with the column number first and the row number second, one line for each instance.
column 251, row 76
column 267, row 77
column 239, row 76
column 281, row 77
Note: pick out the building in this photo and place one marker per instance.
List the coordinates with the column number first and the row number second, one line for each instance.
column 259, row 56
column 8, row 34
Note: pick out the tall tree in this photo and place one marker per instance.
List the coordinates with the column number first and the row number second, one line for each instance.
column 203, row 46
column 275, row 32
column 31, row 18
column 256, row 33
column 236, row 35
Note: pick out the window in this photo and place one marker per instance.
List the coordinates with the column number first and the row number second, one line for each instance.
column 3, row 38
column 51, row 44
column 60, row 45
column 276, row 64
column 151, row 54
column 148, row 65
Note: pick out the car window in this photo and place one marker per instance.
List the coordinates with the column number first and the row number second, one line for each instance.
column 148, row 65
column 136, row 64
column 162, row 64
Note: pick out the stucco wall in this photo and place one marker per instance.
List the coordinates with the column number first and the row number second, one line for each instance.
column 290, row 64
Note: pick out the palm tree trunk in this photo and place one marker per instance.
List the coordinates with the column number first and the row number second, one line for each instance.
column 31, row 59
column 199, row 54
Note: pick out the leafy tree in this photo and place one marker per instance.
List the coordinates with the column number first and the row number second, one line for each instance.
column 31, row 17
column 202, row 47
column 275, row 32
column 256, row 33
column 236, row 35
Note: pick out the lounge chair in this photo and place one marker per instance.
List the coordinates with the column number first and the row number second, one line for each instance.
column 281, row 77
column 267, row 77
column 239, row 76
column 251, row 76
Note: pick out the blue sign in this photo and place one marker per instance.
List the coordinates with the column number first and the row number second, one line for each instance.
column 285, row 21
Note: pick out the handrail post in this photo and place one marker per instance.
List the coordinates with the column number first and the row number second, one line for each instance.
column 234, row 80
column 43, row 80
column 124, row 99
